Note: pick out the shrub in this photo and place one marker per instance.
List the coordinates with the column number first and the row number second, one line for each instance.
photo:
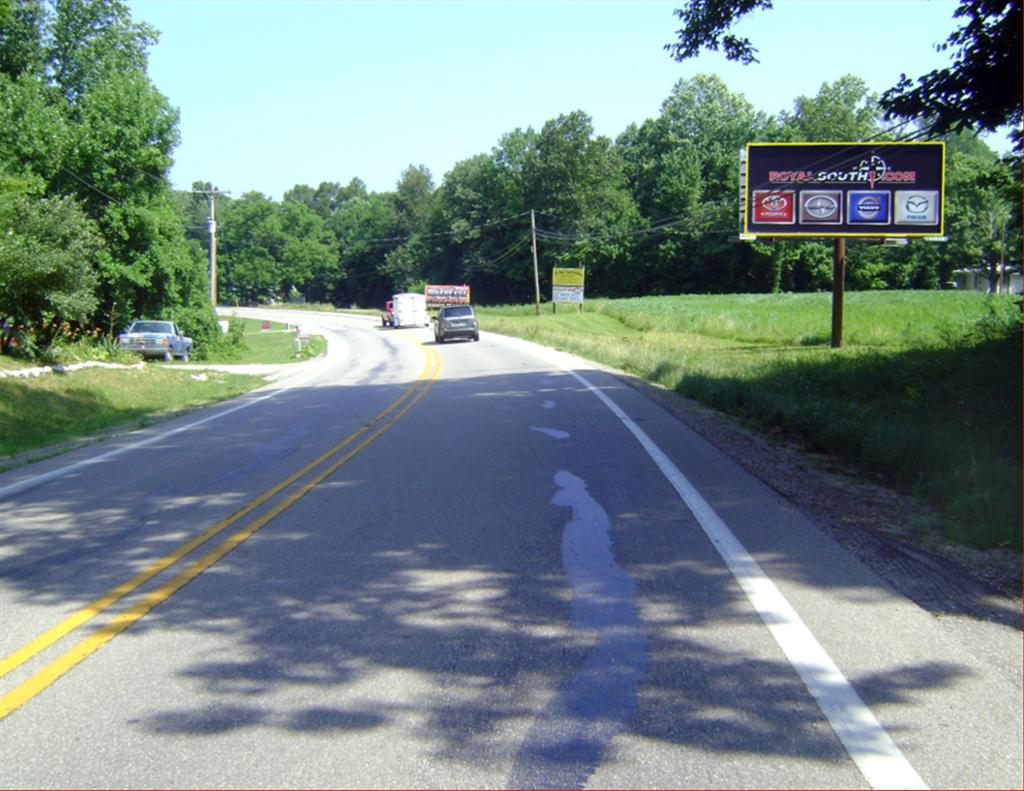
column 230, row 345
column 200, row 324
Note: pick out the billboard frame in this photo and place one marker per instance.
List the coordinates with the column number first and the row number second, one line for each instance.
column 442, row 294
column 858, row 187
column 841, row 177
column 568, row 286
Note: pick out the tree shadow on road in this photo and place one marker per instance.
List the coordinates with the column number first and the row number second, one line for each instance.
column 442, row 614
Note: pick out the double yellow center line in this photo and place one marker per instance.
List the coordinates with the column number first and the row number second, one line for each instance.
column 329, row 462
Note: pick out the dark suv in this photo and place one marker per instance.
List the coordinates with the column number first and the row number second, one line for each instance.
column 456, row 321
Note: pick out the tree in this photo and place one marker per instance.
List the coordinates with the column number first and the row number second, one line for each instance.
column 684, row 169
column 841, row 110
column 704, row 26
column 402, row 267
column 577, row 182
column 93, row 39
column 413, row 195
column 21, row 38
column 478, row 230
column 718, row 122
column 983, row 193
column 118, row 155
column 250, row 240
column 664, row 177
column 34, row 130
column 47, row 250
column 326, row 198
column 309, row 255
column 366, row 229
column 79, row 118
column 271, row 249
column 981, row 89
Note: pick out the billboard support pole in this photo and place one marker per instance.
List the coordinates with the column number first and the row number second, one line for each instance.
column 838, row 280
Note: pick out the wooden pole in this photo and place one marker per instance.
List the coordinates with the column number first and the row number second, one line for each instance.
column 838, row 279
column 536, row 272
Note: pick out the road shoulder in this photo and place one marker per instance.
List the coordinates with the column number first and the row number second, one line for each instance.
column 892, row 534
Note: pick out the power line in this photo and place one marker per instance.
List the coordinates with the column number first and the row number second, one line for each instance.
column 572, row 238
column 93, row 187
column 503, row 256
column 447, row 233
column 125, row 165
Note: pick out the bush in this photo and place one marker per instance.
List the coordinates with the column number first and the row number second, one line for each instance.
column 200, row 324
column 72, row 344
column 230, row 345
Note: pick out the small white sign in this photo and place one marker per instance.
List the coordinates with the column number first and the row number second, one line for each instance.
column 572, row 295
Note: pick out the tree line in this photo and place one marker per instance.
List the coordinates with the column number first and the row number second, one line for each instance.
column 654, row 211
column 89, row 229
column 91, row 232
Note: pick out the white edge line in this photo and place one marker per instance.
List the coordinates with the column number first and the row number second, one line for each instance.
column 871, row 748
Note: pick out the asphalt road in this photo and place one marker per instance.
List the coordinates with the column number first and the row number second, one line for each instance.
column 470, row 565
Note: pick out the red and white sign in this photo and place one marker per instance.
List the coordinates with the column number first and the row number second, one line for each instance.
column 774, row 206
column 438, row 295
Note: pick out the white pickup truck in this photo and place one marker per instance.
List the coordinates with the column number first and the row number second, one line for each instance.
column 160, row 339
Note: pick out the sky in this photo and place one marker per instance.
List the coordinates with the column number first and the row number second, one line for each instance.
column 277, row 93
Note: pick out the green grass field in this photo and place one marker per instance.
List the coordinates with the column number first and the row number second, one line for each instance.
column 925, row 394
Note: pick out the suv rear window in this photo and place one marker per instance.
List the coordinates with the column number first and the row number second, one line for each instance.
column 458, row 311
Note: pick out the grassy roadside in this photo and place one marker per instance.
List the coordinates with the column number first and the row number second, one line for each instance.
column 926, row 393
column 276, row 345
column 54, row 408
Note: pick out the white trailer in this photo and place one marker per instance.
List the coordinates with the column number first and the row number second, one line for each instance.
column 410, row 310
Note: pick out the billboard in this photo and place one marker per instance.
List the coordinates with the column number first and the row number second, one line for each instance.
column 439, row 296
column 567, row 285
column 843, row 189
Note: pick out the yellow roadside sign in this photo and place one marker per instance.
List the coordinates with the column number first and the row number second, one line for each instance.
column 567, row 277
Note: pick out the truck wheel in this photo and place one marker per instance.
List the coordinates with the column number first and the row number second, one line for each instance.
column 476, row 336
column 167, row 357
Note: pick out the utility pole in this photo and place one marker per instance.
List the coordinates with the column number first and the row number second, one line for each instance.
column 211, row 224
column 536, row 272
